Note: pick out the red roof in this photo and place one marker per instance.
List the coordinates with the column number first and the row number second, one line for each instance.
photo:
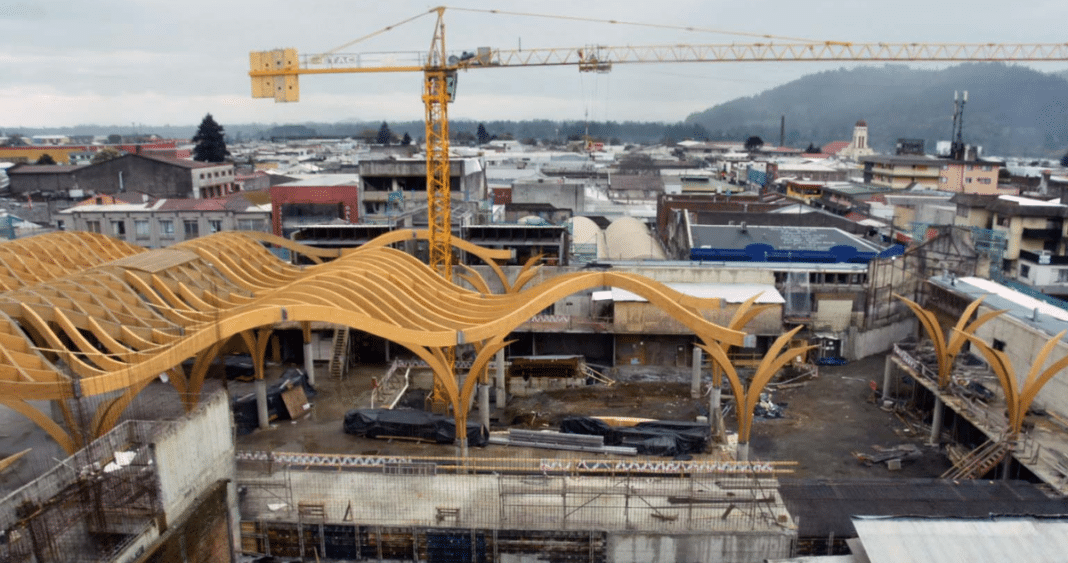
column 193, row 205
column 834, row 147
column 854, row 216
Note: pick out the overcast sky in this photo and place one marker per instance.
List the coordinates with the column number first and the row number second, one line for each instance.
column 151, row 62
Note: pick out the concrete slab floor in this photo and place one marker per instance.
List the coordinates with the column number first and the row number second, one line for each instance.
column 825, row 420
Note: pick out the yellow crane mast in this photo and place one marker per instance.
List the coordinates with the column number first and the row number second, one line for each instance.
column 275, row 75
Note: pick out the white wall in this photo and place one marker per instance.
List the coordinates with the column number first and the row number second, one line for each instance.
column 195, row 454
column 733, row 546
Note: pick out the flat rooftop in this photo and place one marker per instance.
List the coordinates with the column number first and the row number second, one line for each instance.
column 782, row 238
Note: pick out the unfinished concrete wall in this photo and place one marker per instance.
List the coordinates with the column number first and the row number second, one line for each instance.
column 642, row 317
column 1022, row 343
column 736, row 547
column 861, row 344
column 194, row 455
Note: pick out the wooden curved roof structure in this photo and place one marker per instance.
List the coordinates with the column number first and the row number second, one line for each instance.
column 84, row 315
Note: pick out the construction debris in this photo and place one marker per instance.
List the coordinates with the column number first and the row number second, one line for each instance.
column 893, row 457
column 767, row 409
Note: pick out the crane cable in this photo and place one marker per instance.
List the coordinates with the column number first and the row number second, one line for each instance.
column 379, row 32
column 574, row 18
column 642, row 24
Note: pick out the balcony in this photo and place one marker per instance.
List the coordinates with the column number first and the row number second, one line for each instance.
column 1042, row 234
column 1036, row 258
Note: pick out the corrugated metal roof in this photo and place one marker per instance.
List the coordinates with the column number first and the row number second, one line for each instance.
column 997, row 540
column 825, row 506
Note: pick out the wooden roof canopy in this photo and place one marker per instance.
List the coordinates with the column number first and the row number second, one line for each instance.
column 86, row 315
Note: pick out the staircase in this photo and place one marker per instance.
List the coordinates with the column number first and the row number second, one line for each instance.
column 597, row 376
column 339, row 358
column 979, row 461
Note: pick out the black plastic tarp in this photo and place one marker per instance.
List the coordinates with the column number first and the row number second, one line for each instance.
column 657, row 437
column 246, row 416
column 584, row 425
column 693, row 437
column 411, row 423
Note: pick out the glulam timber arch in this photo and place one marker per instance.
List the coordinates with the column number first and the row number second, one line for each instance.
column 112, row 327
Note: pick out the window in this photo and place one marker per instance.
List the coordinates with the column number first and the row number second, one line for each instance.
column 1062, row 275
column 214, row 225
column 1002, row 221
column 984, row 180
column 967, row 180
column 118, row 228
column 192, row 228
column 141, row 229
column 166, row 228
column 60, row 225
column 1025, row 271
column 92, row 226
column 250, row 224
column 943, row 180
column 987, row 168
column 999, row 345
column 962, row 211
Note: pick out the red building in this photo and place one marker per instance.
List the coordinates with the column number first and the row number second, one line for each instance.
column 317, row 199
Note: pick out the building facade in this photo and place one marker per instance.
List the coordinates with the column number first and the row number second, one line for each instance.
column 158, row 223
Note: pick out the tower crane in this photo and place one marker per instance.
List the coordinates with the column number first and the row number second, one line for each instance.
column 275, row 75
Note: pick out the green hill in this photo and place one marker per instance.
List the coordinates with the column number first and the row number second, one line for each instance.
column 1011, row 110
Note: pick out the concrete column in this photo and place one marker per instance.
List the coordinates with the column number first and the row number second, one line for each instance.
column 936, row 421
column 742, row 453
column 261, row 403
column 695, row 375
column 502, row 390
column 715, row 409
column 309, row 363
column 483, row 405
column 887, row 370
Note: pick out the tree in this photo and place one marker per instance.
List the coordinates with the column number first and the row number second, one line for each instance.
column 105, row 154
column 407, row 140
column 384, row 135
column 811, row 149
column 210, row 142
column 1064, row 159
column 46, row 159
column 482, row 134
column 753, row 143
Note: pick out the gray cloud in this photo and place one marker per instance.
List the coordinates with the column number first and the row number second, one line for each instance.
column 122, row 61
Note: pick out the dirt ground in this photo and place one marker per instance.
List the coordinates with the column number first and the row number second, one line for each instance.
column 830, row 417
column 824, row 420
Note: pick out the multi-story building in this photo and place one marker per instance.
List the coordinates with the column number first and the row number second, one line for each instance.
column 900, row 172
column 158, row 223
column 159, row 177
column 1032, row 232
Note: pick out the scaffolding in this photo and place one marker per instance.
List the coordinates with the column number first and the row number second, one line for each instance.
column 90, row 507
column 303, row 505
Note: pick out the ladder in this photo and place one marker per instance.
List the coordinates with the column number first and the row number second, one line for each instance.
column 979, row 461
column 339, row 358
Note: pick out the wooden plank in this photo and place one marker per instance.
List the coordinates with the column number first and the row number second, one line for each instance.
column 296, row 402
